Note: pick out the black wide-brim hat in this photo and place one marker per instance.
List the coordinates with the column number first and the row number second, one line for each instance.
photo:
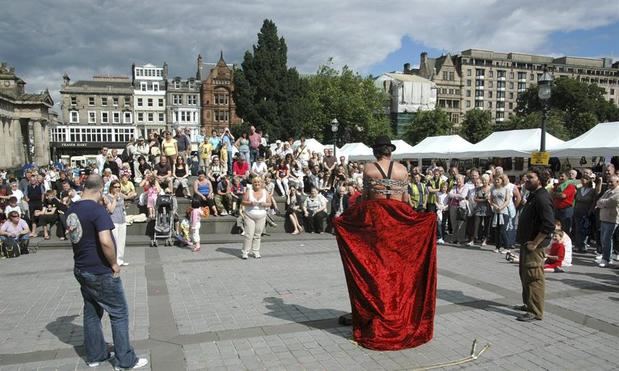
column 383, row 140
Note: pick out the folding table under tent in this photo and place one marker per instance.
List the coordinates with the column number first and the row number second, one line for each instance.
column 511, row 143
column 601, row 140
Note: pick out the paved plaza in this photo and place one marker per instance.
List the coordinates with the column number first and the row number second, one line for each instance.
column 214, row 311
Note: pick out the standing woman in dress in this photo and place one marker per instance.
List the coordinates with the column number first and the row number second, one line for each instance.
column 256, row 201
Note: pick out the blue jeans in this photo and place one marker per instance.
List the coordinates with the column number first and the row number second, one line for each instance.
column 565, row 216
column 607, row 230
column 105, row 292
column 230, row 162
column 582, row 223
column 253, row 155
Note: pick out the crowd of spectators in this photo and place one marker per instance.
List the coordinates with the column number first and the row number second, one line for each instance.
column 475, row 207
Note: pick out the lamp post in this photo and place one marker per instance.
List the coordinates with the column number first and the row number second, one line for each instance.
column 334, row 127
column 544, row 91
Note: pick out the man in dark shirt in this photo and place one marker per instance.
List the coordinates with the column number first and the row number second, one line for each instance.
column 535, row 225
column 94, row 253
column 183, row 143
column 163, row 171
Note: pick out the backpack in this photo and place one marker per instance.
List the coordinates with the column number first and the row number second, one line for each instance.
column 10, row 248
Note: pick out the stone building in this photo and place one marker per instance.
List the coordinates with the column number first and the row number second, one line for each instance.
column 149, row 97
column 96, row 113
column 183, row 104
column 489, row 80
column 218, row 106
column 25, row 119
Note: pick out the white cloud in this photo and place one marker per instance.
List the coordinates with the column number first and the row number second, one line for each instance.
column 107, row 36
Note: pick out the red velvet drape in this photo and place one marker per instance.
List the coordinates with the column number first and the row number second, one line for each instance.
column 389, row 256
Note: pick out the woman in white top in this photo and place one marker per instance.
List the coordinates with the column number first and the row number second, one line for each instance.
column 256, row 201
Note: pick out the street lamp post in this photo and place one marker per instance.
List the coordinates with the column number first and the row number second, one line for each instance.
column 334, row 127
column 544, row 91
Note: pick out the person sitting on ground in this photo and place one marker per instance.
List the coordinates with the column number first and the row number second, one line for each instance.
column 223, row 197
column 556, row 253
column 127, row 188
column 567, row 244
column 293, row 210
column 259, row 168
column 15, row 228
column 340, row 202
column 13, row 206
column 181, row 176
column 163, row 172
column 314, row 210
column 215, row 171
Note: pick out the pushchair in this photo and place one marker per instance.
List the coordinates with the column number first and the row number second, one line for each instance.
column 165, row 211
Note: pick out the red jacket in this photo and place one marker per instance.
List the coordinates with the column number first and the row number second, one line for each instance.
column 569, row 191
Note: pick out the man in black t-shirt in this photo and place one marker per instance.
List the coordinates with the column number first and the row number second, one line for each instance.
column 89, row 228
column 163, row 171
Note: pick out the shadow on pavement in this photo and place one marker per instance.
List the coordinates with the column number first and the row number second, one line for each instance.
column 68, row 332
column 230, row 251
column 606, row 286
column 326, row 319
column 457, row 297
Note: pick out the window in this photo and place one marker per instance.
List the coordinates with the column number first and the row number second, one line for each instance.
column 612, row 91
column 161, row 117
column 479, row 93
column 479, row 72
column 468, row 93
column 479, row 83
column 451, row 76
column 192, row 100
column 127, row 118
column 91, row 101
column 177, row 84
column 500, row 114
column 500, row 84
column 522, row 86
column 74, row 117
column 456, row 104
column 74, row 100
column 105, row 117
column 127, row 100
column 489, row 94
column 175, row 116
column 221, row 116
column 143, row 86
column 151, row 117
column 500, row 74
column 511, row 105
column 522, row 75
column 500, row 94
column 500, row 104
column 490, row 84
column 155, row 86
column 103, row 101
column 511, row 95
column 468, row 82
column 140, row 116
column 479, row 104
column 468, row 72
column 176, row 99
column 160, row 102
column 115, row 101
column 490, row 104
column 150, row 102
column 116, row 117
column 140, row 102
column 92, row 117
column 222, row 98
column 468, row 104
column 445, row 75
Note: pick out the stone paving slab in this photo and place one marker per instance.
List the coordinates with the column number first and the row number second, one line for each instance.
column 212, row 310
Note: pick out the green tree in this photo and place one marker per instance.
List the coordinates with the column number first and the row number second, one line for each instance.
column 580, row 105
column 348, row 97
column 428, row 124
column 268, row 94
column 533, row 120
column 477, row 125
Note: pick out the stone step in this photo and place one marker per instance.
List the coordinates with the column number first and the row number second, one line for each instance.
column 205, row 239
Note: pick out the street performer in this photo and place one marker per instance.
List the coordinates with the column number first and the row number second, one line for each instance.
column 389, row 255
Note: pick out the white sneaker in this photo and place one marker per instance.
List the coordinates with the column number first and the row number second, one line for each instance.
column 244, row 256
column 257, row 255
column 440, row 241
column 598, row 258
column 139, row 364
column 470, row 243
column 97, row 364
column 224, row 213
column 124, row 264
column 603, row 263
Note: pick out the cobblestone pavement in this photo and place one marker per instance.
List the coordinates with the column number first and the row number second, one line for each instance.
column 212, row 310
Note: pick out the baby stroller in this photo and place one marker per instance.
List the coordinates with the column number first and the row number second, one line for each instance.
column 165, row 210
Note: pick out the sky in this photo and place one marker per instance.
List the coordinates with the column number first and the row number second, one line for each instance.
column 43, row 39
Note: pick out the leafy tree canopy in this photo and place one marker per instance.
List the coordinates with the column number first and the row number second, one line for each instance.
column 477, row 125
column 428, row 124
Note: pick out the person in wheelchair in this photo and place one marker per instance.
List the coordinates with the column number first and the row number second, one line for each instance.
column 16, row 228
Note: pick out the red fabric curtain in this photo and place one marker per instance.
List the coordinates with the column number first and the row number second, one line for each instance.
column 389, row 256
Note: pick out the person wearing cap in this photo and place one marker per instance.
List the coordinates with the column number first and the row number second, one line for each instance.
column 389, row 255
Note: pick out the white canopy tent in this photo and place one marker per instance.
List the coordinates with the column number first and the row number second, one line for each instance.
column 402, row 150
column 511, row 143
column 356, row 152
column 441, row 146
column 601, row 140
column 312, row 144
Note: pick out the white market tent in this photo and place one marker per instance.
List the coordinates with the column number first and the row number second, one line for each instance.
column 601, row 140
column 356, row 152
column 312, row 144
column 402, row 150
column 511, row 143
column 441, row 146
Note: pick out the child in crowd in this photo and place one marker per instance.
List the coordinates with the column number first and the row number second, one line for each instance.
column 554, row 257
column 196, row 218
column 237, row 195
column 152, row 192
column 567, row 243
column 442, row 211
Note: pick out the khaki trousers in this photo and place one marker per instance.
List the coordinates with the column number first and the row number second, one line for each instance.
column 253, row 233
column 533, row 285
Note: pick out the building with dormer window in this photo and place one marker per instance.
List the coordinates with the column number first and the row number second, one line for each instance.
column 149, row 97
